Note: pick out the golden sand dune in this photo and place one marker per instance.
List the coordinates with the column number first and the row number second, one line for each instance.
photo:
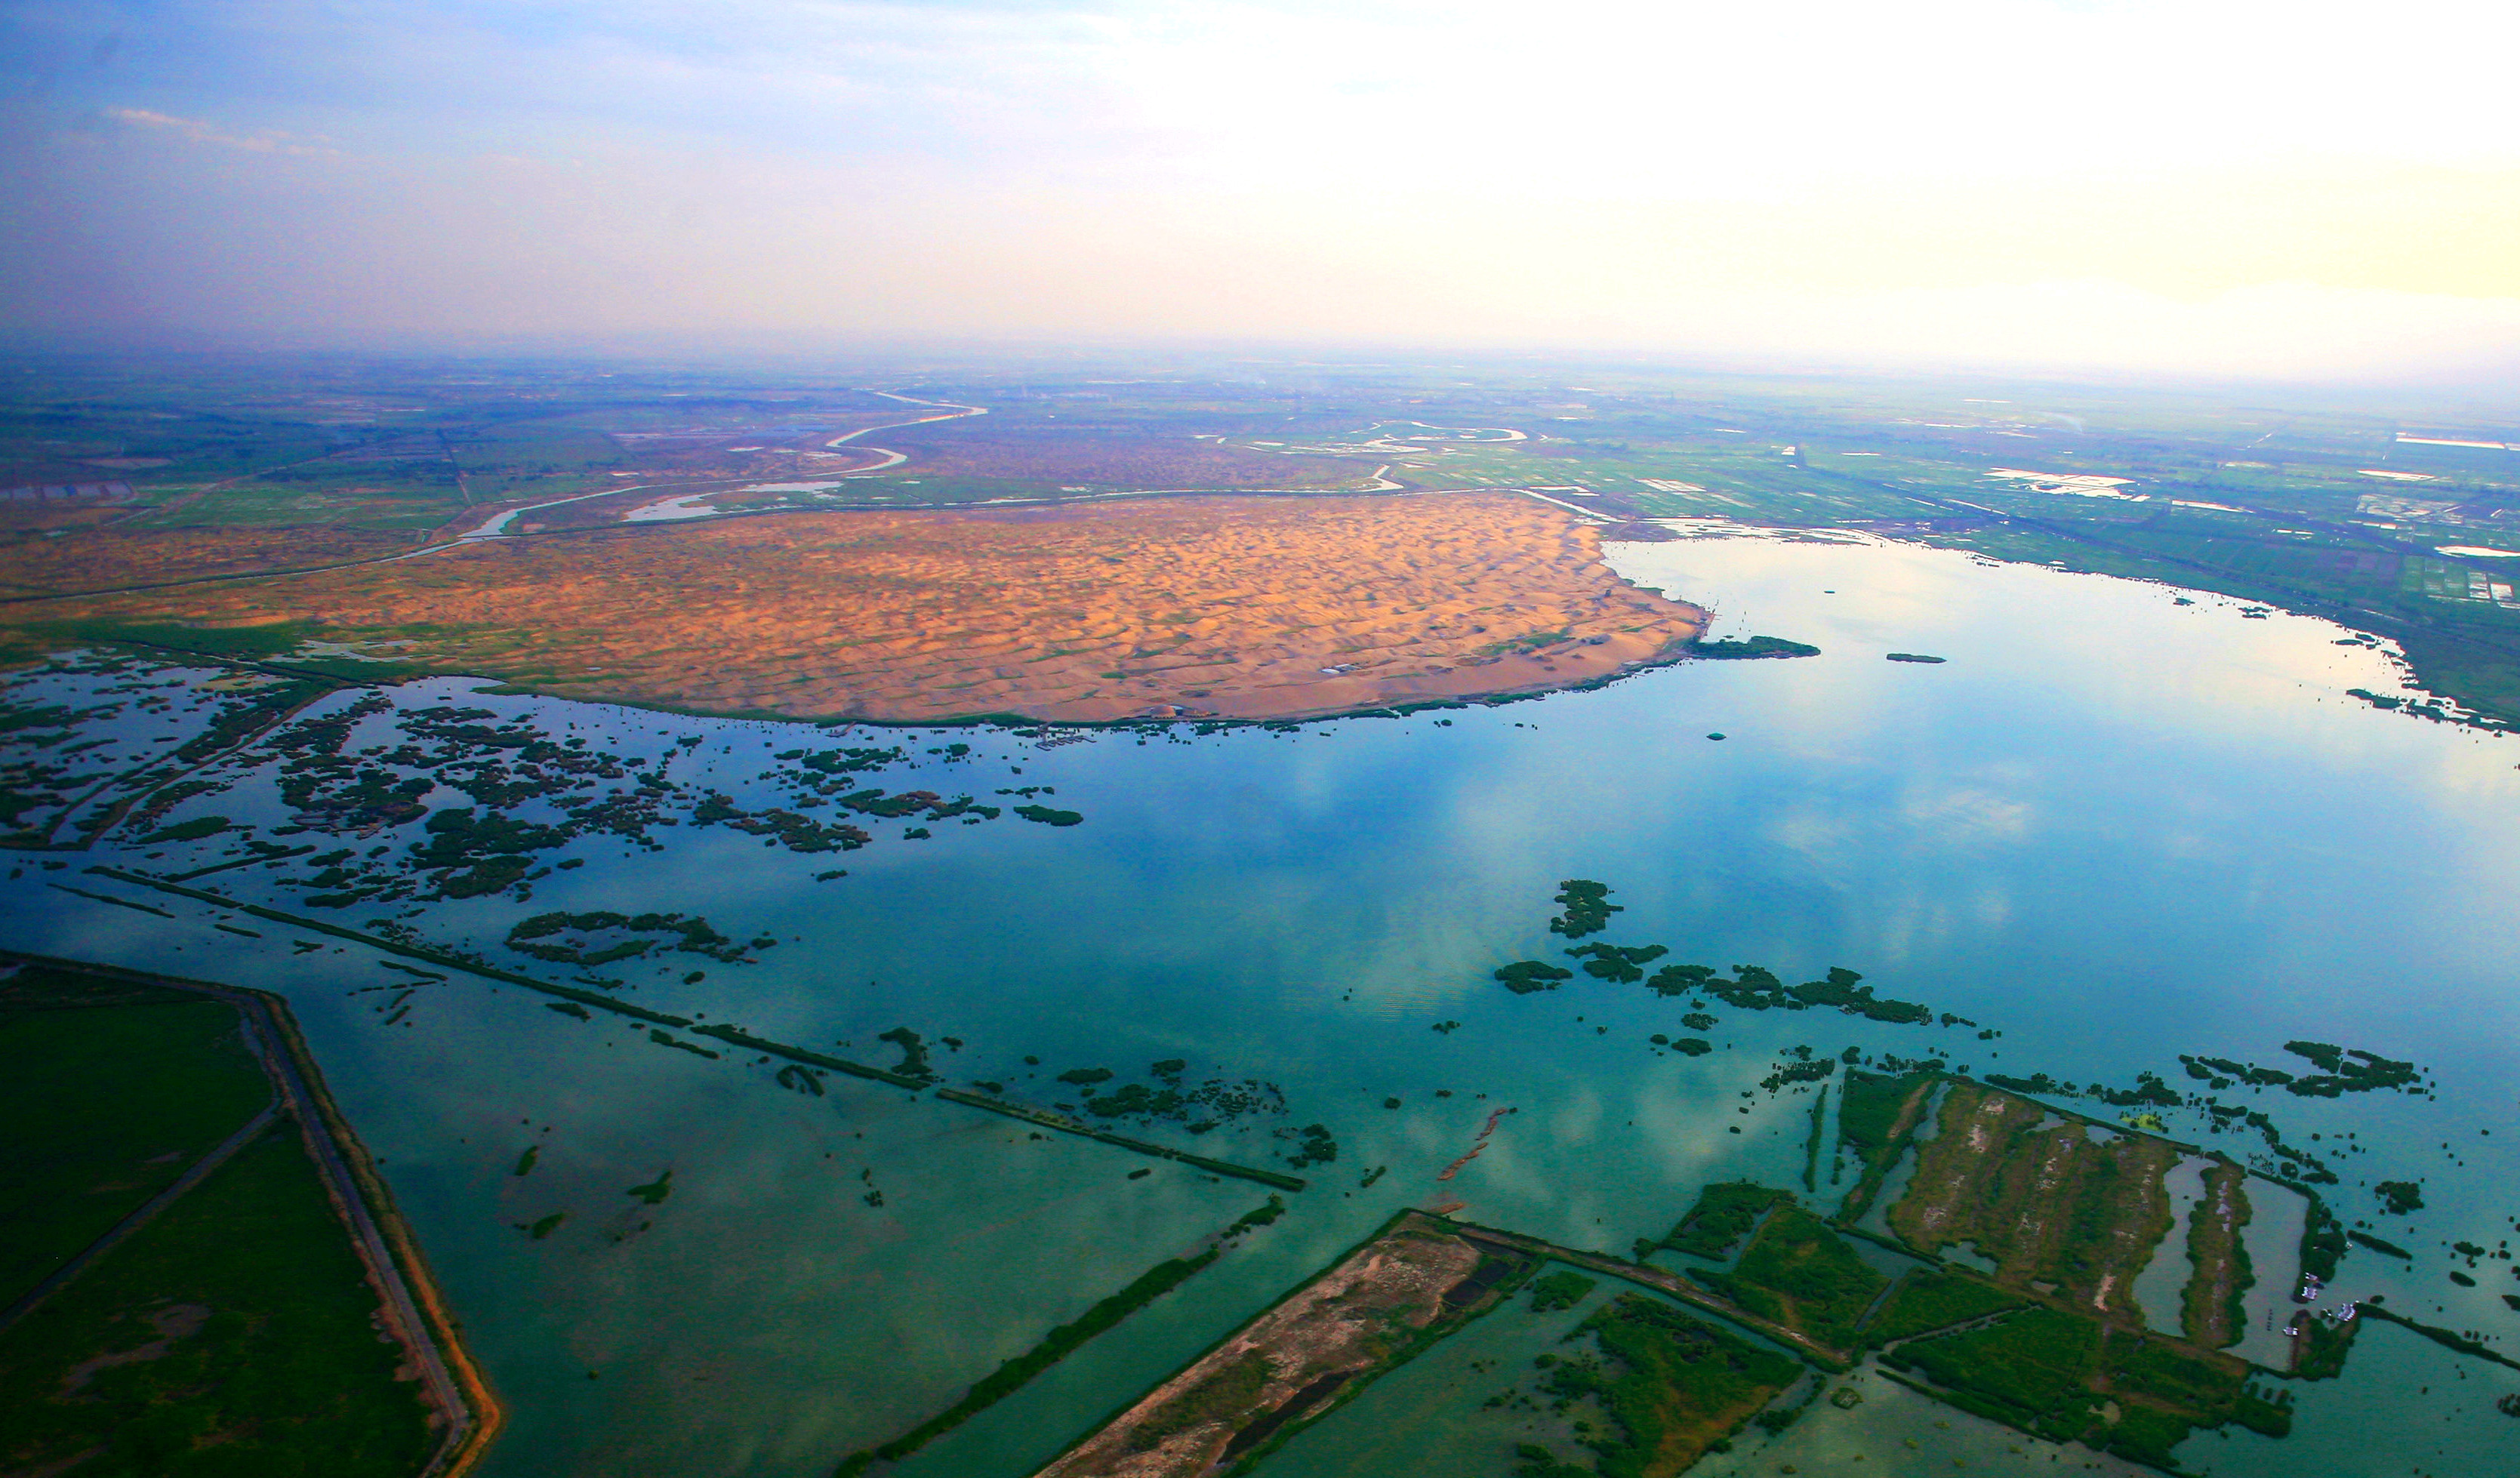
column 1230, row 606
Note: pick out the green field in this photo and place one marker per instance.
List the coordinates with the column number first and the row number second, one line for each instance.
column 233, row 1332
column 231, row 1336
column 110, row 1104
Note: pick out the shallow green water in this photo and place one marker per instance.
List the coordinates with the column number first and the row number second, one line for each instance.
column 2114, row 826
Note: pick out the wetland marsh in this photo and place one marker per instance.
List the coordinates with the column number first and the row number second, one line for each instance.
column 2088, row 877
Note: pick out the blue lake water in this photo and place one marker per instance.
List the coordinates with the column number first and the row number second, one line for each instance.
column 2113, row 826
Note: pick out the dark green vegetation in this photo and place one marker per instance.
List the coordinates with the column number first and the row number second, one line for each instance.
column 1931, row 1299
column 1914, row 657
column 1813, row 1146
column 1057, row 1345
column 1313, row 1146
column 1753, row 648
column 2399, row 1197
column 577, row 938
column 241, row 1323
column 116, row 1090
column 2322, row 1240
column 230, row 1334
column 1262, row 1215
column 1562, row 1290
column 1169, row 1098
column 1874, row 1115
column 1669, row 1385
column 1840, row 991
column 913, row 1052
column 2033, row 1368
column 2381, row 1245
column 2055, row 1376
column 1798, row 1274
column 194, row 829
column 2344, row 1071
column 2448, row 1339
column 1524, row 977
column 2320, row 1353
column 1050, row 816
column 1722, row 1215
column 1610, row 962
column 1586, row 908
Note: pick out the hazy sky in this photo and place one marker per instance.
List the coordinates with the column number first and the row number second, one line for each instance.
column 2304, row 189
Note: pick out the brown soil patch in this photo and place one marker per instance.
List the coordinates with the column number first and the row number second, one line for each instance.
column 110, row 559
column 1083, row 613
column 1336, row 1329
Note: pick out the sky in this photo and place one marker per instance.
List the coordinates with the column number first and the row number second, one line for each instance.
column 2193, row 186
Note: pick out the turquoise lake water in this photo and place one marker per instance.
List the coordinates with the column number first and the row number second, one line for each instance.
column 2115, row 826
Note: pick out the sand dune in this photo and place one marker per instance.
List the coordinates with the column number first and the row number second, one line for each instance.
column 1236, row 607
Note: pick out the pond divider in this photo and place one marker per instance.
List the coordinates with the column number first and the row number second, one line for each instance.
column 732, row 1036
column 594, row 999
column 1048, row 1120
column 735, row 1038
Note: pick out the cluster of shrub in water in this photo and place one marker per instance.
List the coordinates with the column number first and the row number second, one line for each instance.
column 1199, row 1109
column 498, row 765
column 2289, row 1162
column 692, row 935
column 1314, row 1146
column 2347, row 1070
column 1587, row 905
column 1587, row 910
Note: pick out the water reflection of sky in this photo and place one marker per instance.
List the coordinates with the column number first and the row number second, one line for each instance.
column 2115, row 826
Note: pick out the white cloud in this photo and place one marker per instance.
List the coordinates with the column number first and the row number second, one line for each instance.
column 2209, row 185
column 265, row 141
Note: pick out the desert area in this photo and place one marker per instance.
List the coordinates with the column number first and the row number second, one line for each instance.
column 1236, row 608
